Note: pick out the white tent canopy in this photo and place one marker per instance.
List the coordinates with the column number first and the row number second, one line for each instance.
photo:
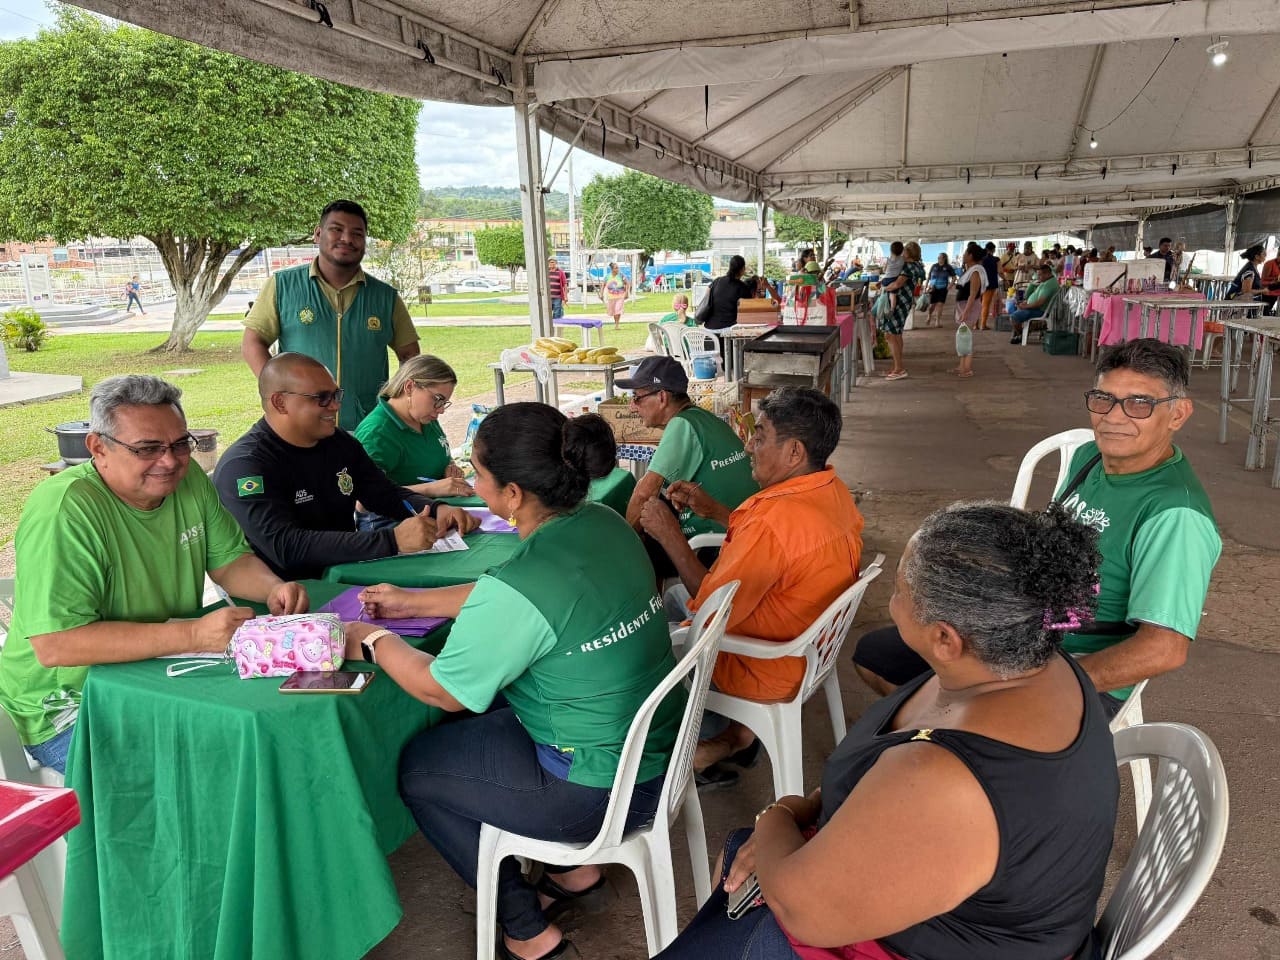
column 927, row 119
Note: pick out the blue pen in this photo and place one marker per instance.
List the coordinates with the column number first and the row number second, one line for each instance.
column 427, row 479
column 408, row 506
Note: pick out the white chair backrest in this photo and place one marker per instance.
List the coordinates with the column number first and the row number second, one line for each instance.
column 696, row 340
column 6, row 607
column 696, row 665
column 1179, row 844
column 1065, row 444
column 673, row 335
column 827, row 634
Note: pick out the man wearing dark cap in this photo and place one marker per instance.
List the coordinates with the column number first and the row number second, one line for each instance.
column 696, row 445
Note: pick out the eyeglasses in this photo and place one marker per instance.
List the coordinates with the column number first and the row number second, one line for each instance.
column 154, row 451
column 1136, row 408
column 323, row 398
column 438, row 400
column 637, row 397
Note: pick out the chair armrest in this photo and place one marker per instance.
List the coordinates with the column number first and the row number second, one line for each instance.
column 679, row 638
column 761, row 649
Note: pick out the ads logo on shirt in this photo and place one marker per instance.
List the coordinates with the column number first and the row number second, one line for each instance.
column 191, row 535
column 346, row 486
column 1081, row 512
column 444, row 443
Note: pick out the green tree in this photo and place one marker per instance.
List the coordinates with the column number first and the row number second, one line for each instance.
column 110, row 130
column 646, row 213
column 502, row 247
column 798, row 230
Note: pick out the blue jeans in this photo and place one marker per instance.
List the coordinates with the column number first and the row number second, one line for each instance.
column 53, row 753
column 711, row 935
column 483, row 769
column 1023, row 315
column 133, row 298
column 557, row 308
column 375, row 521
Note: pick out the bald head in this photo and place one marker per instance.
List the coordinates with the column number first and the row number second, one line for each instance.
column 285, row 372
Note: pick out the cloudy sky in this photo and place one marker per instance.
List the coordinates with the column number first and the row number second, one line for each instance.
column 458, row 146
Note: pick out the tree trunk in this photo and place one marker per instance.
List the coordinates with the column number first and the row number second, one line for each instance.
column 513, row 271
column 195, row 268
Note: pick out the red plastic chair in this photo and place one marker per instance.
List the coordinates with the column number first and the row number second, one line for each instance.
column 31, row 818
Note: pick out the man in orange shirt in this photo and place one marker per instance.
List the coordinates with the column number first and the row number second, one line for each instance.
column 794, row 546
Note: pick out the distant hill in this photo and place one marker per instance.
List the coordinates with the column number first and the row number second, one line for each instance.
column 486, row 203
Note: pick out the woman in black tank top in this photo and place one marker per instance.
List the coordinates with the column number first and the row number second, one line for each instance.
column 969, row 814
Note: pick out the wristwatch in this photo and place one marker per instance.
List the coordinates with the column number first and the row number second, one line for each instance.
column 367, row 644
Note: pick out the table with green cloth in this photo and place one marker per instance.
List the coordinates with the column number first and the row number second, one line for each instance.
column 224, row 820
column 484, row 552
column 610, row 490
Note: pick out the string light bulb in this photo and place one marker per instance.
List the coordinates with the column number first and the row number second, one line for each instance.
column 1217, row 53
column 1093, row 142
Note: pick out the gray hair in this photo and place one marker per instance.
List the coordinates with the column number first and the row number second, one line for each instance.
column 1006, row 580
column 131, row 390
column 1149, row 358
column 807, row 415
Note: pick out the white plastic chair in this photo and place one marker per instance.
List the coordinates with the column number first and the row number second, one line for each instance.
column 23, row 897
column 699, row 341
column 1065, row 444
column 647, row 851
column 1179, row 845
column 673, row 337
column 1130, row 715
column 778, row 725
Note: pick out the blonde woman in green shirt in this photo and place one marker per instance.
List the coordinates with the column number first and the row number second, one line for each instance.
column 403, row 436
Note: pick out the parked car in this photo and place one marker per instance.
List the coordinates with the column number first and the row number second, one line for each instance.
column 480, row 284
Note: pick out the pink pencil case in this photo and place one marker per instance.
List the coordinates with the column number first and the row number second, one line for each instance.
column 275, row 646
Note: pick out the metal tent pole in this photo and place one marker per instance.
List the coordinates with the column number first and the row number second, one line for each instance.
column 533, row 212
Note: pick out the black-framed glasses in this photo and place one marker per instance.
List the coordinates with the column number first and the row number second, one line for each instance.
column 637, row 397
column 154, row 451
column 323, row 398
column 1135, row 408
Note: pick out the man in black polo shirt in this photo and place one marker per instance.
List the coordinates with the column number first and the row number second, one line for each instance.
column 292, row 482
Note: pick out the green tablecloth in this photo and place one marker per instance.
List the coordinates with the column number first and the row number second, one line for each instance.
column 223, row 820
column 487, row 550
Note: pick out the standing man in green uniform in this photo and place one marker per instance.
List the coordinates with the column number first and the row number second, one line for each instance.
column 333, row 311
column 696, row 446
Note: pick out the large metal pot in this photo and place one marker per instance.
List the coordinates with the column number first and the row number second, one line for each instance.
column 71, row 436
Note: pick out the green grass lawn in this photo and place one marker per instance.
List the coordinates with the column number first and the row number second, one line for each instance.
column 448, row 305
column 223, row 396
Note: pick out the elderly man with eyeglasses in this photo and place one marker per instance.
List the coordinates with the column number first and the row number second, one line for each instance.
column 292, row 482
column 109, row 551
column 1156, row 532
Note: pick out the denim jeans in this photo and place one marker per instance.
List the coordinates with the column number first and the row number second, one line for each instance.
column 366, row 522
column 1026, row 313
column 53, row 753
column 483, row 769
column 557, row 308
column 711, row 935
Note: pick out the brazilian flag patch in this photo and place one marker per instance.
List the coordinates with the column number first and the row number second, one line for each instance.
column 249, row 486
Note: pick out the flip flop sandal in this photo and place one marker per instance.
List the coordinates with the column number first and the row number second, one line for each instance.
column 715, row 777
column 591, row 900
column 896, row 376
column 561, row 949
column 747, row 757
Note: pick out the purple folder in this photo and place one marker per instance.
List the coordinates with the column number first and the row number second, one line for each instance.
column 347, row 606
column 489, row 521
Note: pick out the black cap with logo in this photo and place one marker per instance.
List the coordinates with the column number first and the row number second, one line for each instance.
column 659, row 373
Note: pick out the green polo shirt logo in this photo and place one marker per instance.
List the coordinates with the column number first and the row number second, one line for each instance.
column 249, row 486
column 306, row 316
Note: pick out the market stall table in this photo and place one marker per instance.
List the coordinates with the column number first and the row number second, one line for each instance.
column 549, row 392
column 600, row 493
column 222, row 820
column 1266, row 330
column 485, row 551
column 738, row 336
column 1120, row 323
column 586, row 325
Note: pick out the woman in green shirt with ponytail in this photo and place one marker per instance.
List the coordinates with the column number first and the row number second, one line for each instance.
column 572, row 635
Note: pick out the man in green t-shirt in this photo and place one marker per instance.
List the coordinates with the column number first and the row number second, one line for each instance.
column 109, row 551
column 1156, row 531
column 1038, row 296
column 333, row 311
column 696, row 446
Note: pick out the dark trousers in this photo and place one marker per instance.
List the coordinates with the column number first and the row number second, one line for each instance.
column 483, row 769
column 711, row 935
column 884, row 653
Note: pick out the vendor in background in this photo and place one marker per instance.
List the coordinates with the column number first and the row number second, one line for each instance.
column 1165, row 253
column 720, row 309
column 1248, row 281
column 530, row 655
column 1270, row 293
column 403, row 436
column 1026, row 265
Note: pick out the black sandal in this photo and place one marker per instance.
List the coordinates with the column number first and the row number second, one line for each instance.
column 561, row 949
column 747, row 757
column 590, row 900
